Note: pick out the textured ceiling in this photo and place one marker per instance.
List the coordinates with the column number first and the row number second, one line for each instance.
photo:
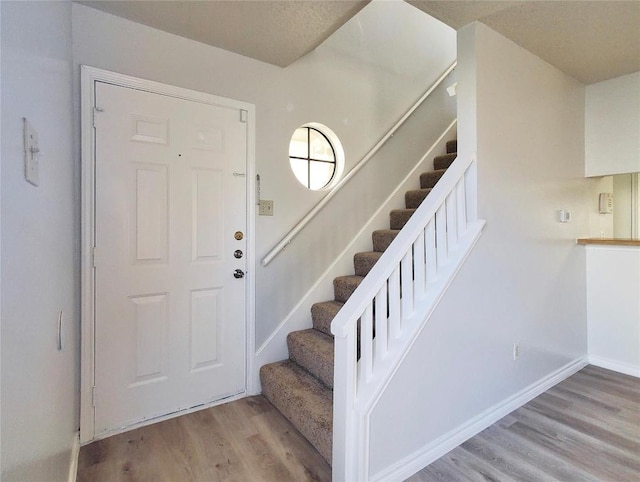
column 276, row 32
column 589, row 40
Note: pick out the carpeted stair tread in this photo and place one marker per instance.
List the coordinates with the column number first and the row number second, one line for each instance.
column 382, row 238
column 399, row 217
column 323, row 314
column 313, row 351
column 343, row 286
column 444, row 161
column 452, row 146
column 363, row 262
column 412, row 199
column 304, row 400
column 429, row 179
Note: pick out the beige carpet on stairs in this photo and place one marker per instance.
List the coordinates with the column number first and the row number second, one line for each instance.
column 301, row 388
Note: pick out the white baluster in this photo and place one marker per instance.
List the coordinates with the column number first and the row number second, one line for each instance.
column 381, row 347
column 430, row 241
column 366, row 343
column 419, row 266
column 394, row 304
column 452, row 224
column 441, row 235
column 462, row 207
column 406, row 271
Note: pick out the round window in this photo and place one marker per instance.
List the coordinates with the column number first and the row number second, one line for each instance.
column 316, row 156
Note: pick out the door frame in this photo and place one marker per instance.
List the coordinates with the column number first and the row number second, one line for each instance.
column 89, row 77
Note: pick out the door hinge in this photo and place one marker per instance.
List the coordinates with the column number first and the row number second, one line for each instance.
column 96, row 110
column 243, row 115
column 93, row 396
column 93, row 256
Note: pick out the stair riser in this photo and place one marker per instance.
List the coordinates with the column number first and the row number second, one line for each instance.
column 363, row 262
column 413, row 199
column 452, row 147
column 316, row 358
column 429, row 179
column 398, row 218
column 443, row 162
column 343, row 288
column 323, row 314
column 382, row 240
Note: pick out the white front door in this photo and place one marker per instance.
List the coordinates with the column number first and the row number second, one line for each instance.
column 170, row 210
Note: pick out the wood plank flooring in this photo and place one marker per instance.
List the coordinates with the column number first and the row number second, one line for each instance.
column 586, row 428
column 245, row 440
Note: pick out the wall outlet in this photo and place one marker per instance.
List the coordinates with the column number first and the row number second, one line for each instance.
column 516, row 351
column 265, row 208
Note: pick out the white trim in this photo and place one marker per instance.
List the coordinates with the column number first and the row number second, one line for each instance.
column 75, row 453
column 615, row 365
column 90, row 75
column 431, row 452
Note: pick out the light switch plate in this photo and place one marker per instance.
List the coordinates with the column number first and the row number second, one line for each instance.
column 31, row 154
column 265, row 208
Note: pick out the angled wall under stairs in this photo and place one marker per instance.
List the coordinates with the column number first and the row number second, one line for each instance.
column 301, row 388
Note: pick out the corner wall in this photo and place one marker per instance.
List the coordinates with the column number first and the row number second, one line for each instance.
column 525, row 280
column 40, row 230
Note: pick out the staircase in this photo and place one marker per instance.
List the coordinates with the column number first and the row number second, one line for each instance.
column 301, row 388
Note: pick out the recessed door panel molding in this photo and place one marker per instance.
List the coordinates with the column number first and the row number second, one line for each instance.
column 206, row 336
column 150, row 334
column 152, row 213
column 150, row 129
column 207, row 222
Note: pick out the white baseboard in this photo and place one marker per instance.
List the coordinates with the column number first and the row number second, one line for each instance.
column 616, row 366
column 424, row 456
column 75, row 453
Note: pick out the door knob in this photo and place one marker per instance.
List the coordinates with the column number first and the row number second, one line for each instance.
column 238, row 273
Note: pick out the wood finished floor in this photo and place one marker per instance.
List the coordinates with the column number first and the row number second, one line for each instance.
column 246, row 440
column 587, row 428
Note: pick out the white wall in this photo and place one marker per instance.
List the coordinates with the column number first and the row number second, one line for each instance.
column 525, row 280
column 39, row 245
column 613, row 307
column 349, row 91
column 612, row 124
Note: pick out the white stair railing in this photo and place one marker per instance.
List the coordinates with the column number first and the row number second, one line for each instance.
column 381, row 320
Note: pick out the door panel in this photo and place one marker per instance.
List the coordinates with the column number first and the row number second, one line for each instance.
column 170, row 316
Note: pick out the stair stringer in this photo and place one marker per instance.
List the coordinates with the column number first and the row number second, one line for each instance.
column 275, row 346
column 361, row 380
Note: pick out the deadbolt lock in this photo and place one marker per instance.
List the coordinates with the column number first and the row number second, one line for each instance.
column 237, row 254
column 238, row 235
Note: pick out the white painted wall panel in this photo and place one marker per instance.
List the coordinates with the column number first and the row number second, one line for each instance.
column 40, row 273
column 612, row 126
column 525, row 280
column 613, row 307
